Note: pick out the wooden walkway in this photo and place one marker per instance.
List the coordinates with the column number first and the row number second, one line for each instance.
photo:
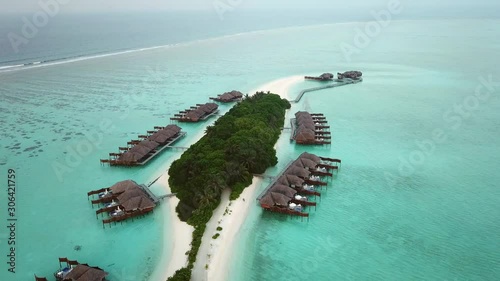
column 338, row 83
column 273, row 181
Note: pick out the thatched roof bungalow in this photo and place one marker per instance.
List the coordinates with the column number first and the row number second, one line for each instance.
column 283, row 189
column 229, row 96
column 298, row 171
column 85, row 273
column 74, row 271
column 135, row 199
column 128, row 199
column 139, row 152
column 198, row 113
column 322, row 77
column 308, row 130
column 310, row 156
column 280, row 199
column 122, row 186
column 291, row 180
column 350, row 74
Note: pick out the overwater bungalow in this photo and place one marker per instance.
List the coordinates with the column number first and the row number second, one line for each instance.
column 124, row 200
column 229, row 97
column 354, row 75
column 292, row 193
column 72, row 270
column 308, row 129
column 322, row 77
column 288, row 192
column 279, row 203
column 197, row 113
column 329, row 163
column 140, row 151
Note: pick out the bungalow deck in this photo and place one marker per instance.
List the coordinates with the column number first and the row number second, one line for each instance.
column 131, row 213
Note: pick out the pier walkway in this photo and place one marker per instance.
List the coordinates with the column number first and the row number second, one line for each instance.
column 342, row 82
column 273, row 180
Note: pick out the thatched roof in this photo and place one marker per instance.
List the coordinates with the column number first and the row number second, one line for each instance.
column 310, row 156
column 306, row 125
column 195, row 115
column 302, row 113
column 149, row 144
column 139, row 149
column 121, row 186
column 267, row 200
column 202, row 110
column 173, row 127
column 290, row 180
column 130, row 156
column 297, row 171
column 303, row 118
column 159, row 138
column 351, row 74
column 305, row 132
column 135, row 198
column 167, row 132
column 139, row 202
column 307, row 163
column 280, row 199
column 326, row 76
column 130, row 193
column 305, row 136
column 283, row 189
column 211, row 107
column 283, row 180
column 230, row 96
column 85, row 273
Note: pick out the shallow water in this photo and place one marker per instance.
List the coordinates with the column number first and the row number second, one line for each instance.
column 437, row 223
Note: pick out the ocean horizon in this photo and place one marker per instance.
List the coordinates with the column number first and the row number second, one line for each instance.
column 386, row 216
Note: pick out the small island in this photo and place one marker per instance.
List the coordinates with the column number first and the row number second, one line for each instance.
column 238, row 145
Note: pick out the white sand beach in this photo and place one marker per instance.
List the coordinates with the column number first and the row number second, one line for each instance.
column 213, row 257
column 214, row 254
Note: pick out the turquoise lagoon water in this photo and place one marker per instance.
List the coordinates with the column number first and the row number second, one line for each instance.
column 437, row 223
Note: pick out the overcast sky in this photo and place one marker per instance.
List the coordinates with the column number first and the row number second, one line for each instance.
column 13, row 6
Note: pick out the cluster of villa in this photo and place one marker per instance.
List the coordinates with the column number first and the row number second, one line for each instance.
column 354, row 75
column 124, row 200
column 229, row 97
column 289, row 192
column 197, row 113
column 127, row 199
column 139, row 152
column 310, row 129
